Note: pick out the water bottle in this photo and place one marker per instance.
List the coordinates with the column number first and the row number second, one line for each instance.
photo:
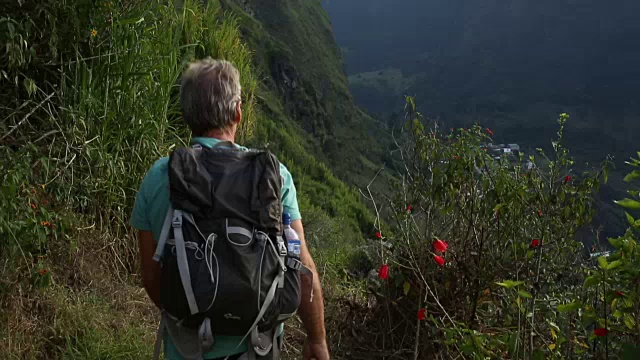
column 293, row 241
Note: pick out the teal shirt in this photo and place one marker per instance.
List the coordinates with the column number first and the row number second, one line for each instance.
column 150, row 209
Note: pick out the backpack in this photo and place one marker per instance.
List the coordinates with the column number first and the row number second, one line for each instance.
column 225, row 265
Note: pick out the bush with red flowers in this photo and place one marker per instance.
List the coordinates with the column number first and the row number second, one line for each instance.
column 610, row 299
column 491, row 284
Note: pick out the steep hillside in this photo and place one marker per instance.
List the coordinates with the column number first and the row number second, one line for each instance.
column 296, row 52
column 91, row 102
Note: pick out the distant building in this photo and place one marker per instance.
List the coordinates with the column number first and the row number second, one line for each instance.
column 596, row 255
column 499, row 150
column 510, row 151
column 528, row 165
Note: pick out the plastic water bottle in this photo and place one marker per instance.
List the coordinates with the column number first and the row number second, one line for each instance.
column 293, row 240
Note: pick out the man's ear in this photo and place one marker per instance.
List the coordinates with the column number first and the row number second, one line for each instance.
column 238, row 116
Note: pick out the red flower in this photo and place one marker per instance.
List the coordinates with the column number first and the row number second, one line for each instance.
column 535, row 243
column 439, row 260
column 489, row 131
column 539, row 212
column 456, row 157
column 33, row 191
column 45, row 202
column 422, row 314
column 43, row 271
column 600, row 332
column 567, row 179
column 378, row 235
column 409, row 208
column 34, row 206
column 383, row 273
column 619, row 293
column 440, row 246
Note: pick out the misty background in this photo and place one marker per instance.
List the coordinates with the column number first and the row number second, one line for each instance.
column 511, row 65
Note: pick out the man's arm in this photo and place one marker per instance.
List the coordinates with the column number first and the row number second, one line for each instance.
column 149, row 267
column 311, row 312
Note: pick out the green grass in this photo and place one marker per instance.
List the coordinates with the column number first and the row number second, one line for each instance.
column 88, row 115
column 115, row 111
column 60, row 323
column 98, row 334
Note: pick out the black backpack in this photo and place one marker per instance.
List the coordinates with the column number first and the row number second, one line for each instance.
column 225, row 265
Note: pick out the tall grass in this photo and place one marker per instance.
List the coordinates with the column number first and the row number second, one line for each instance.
column 125, row 105
column 85, row 121
column 113, row 109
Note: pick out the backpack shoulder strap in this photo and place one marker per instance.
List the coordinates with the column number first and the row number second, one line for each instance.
column 183, row 264
column 174, row 219
column 164, row 235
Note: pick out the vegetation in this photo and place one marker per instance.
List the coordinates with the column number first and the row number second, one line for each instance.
column 482, row 259
column 294, row 46
column 89, row 94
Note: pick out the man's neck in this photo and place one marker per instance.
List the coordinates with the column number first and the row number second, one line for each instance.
column 220, row 134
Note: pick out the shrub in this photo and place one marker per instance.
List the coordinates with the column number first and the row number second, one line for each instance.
column 608, row 310
column 482, row 254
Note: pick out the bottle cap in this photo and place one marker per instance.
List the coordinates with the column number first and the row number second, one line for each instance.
column 286, row 219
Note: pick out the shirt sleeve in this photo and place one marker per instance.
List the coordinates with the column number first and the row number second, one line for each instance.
column 139, row 216
column 289, row 194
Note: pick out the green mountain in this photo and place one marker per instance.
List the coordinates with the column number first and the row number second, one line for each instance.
column 512, row 67
column 296, row 52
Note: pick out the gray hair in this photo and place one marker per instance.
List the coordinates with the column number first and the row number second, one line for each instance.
column 209, row 93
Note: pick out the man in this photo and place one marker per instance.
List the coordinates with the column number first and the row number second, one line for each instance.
column 210, row 97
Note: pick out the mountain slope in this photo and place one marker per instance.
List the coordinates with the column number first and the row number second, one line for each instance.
column 513, row 67
column 296, row 52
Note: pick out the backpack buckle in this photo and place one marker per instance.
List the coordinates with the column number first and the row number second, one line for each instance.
column 282, row 248
column 294, row 264
column 177, row 219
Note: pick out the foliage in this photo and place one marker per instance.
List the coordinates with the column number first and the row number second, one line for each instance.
column 610, row 303
column 486, row 247
column 89, row 94
column 114, row 99
column 90, row 99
